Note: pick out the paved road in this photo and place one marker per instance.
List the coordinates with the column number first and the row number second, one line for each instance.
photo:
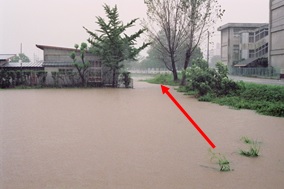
column 258, row 80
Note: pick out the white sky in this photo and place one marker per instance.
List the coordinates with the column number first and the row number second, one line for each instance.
column 60, row 22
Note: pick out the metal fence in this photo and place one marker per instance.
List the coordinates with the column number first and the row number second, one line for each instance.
column 268, row 72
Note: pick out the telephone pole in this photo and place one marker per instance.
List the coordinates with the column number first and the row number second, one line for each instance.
column 208, row 47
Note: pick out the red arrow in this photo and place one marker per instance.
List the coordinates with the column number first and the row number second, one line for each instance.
column 166, row 90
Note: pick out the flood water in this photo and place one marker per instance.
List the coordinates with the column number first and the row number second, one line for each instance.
column 130, row 139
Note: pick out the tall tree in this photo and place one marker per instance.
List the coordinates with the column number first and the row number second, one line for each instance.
column 81, row 65
column 166, row 20
column 201, row 15
column 112, row 44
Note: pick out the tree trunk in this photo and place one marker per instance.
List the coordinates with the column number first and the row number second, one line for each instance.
column 174, row 69
column 113, row 77
column 82, row 79
column 186, row 63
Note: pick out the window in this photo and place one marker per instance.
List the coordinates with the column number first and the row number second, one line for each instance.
column 98, row 64
column 251, row 53
column 64, row 71
column 251, row 37
column 236, row 52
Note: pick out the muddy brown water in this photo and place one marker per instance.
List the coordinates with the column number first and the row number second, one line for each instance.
column 130, row 139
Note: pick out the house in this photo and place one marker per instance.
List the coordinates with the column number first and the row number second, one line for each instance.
column 58, row 60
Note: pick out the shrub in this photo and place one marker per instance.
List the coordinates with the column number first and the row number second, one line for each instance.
column 206, row 80
column 126, row 78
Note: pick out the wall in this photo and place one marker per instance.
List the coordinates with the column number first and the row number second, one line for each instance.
column 277, row 34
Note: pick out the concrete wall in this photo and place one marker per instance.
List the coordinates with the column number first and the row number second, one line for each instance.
column 277, row 33
column 224, row 45
column 244, row 46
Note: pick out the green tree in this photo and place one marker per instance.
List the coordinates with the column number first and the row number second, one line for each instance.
column 20, row 56
column 201, row 16
column 82, row 65
column 112, row 44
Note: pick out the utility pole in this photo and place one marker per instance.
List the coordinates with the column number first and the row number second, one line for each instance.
column 21, row 62
column 208, row 47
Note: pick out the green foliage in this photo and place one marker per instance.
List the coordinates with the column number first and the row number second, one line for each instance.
column 257, row 92
column 126, row 79
column 82, row 65
column 254, row 147
column 164, row 79
column 207, row 80
column 246, row 140
column 213, row 85
column 20, row 56
column 112, row 44
column 222, row 161
column 14, row 79
column 206, row 98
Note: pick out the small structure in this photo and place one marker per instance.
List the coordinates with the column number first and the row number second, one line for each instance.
column 4, row 58
column 58, row 63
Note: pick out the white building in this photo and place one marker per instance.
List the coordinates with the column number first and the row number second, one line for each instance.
column 243, row 41
column 276, row 14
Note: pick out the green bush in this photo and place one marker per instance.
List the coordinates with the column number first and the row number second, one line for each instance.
column 206, row 80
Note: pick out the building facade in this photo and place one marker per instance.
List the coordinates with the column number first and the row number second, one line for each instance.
column 243, row 41
column 57, row 60
column 276, row 46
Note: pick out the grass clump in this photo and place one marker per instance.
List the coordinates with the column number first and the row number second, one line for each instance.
column 222, row 161
column 164, row 79
column 246, row 140
column 254, row 147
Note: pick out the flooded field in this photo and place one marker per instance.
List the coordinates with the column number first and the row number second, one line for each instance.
column 130, row 139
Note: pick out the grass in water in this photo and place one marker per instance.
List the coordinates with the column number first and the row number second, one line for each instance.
column 246, row 140
column 222, row 161
column 254, row 147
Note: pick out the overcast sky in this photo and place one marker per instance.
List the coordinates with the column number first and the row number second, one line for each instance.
column 60, row 22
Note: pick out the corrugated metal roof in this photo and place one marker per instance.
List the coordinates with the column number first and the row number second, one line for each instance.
column 42, row 47
column 24, row 64
column 57, row 64
column 6, row 56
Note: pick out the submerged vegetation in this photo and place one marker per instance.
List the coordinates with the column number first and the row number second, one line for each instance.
column 213, row 85
column 254, row 147
column 222, row 161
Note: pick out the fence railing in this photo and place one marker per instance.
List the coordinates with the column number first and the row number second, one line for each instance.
column 269, row 72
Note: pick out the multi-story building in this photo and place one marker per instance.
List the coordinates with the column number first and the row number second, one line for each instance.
column 243, row 41
column 276, row 45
